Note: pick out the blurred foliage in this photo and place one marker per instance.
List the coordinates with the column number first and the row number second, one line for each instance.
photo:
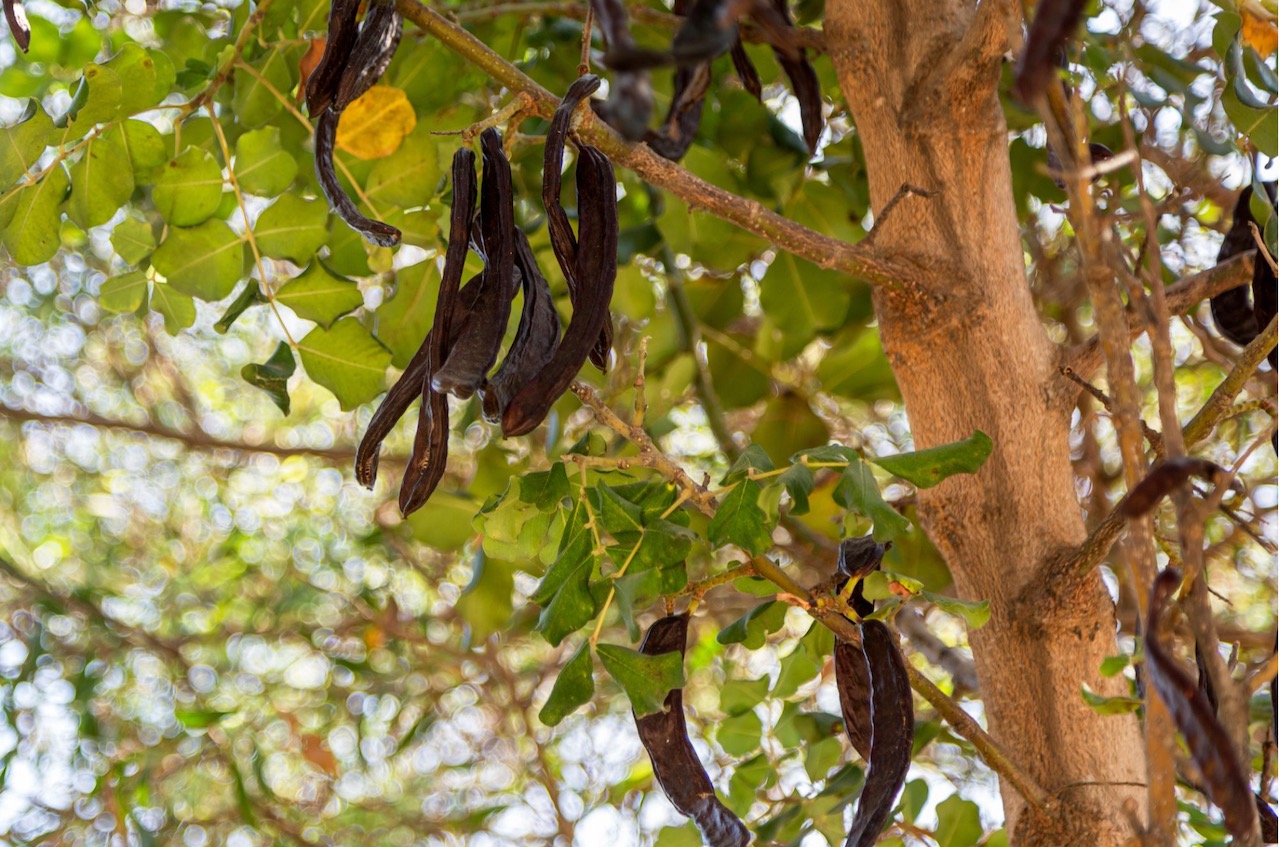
column 212, row 635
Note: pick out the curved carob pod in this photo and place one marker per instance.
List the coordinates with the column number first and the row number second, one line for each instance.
column 322, row 85
column 595, row 269
column 564, row 244
column 774, row 19
column 472, row 356
column 16, row 16
column 1055, row 22
column 536, row 337
column 877, row 707
column 448, row 305
column 1264, row 286
column 684, row 116
column 630, row 102
column 378, row 232
column 374, row 49
column 665, row 737
column 746, row 69
column 1224, row 779
column 1233, row 310
column 1163, row 479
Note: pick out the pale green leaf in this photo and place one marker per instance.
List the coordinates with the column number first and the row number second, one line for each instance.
column 318, row 294
column 347, row 360
column 204, row 261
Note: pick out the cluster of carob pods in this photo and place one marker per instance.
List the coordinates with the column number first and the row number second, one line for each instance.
column 470, row 321
column 875, row 703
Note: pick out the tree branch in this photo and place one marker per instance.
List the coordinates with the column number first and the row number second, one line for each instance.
column 822, row 250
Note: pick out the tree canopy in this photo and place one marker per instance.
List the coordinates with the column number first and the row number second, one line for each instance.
column 213, row 633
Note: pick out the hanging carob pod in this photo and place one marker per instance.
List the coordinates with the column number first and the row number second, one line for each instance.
column 1236, row 315
column 452, row 306
column 1224, row 779
column 875, row 701
column 16, row 16
column 630, row 102
column 462, row 372
column 564, row 244
column 774, row 19
column 354, row 59
column 596, row 269
column 665, row 737
column 535, row 341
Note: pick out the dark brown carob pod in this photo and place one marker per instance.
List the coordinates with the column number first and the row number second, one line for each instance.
column 536, row 337
column 684, row 116
column 1055, row 22
column 665, row 737
column 378, row 232
column 630, row 102
column 875, row 700
column 774, row 19
column 709, row 29
column 476, row 350
column 1233, row 310
column 1163, row 479
column 596, row 269
column 430, row 449
column 1224, row 779
column 322, row 85
column 374, row 49
column 448, row 302
column 16, row 16
column 564, row 244
column 746, row 69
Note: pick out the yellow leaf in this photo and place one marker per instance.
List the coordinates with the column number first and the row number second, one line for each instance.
column 1259, row 30
column 375, row 124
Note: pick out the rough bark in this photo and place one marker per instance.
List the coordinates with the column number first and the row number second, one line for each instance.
column 972, row 353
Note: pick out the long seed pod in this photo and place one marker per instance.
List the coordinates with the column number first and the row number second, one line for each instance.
column 1264, row 286
column 16, row 16
column 1164, row 478
column 322, row 85
column 1225, row 781
column 685, row 115
column 378, row 232
column 536, row 337
column 892, row 732
column 1055, row 22
column 374, row 49
column 710, row 29
column 596, row 269
column 409, row 386
column 478, row 344
column 630, row 103
column 665, row 737
column 1232, row 310
column 430, row 449
column 858, row 557
column 746, row 69
column 774, row 18
column 564, row 244
column 1267, row 818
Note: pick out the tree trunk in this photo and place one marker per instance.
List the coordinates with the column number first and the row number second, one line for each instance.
column 970, row 352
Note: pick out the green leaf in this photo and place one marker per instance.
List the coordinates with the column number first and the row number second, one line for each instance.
column 137, row 72
column 927, row 468
column 565, row 592
column 133, row 240
column 645, row 679
column 249, row 296
column 253, row 100
column 33, row 233
column 886, row 585
column 914, row 797
column 803, row 298
column 754, row 458
column 124, row 293
column 177, row 309
column 96, row 99
column 447, row 524
column 485, row 604
column 1113, row 665
column 821, row 758
column 347, row 360
column 639, row 588
column 545, row 489
column 751, row 629
column 405, row 318
column 958, row 823
column 22, row 143
column 292, row 228
column 740, row 521
column 145, row 146
column 189, row 188
column 204, row 261
column 857, row 490
column 272, row 376
column 574, row 687
column 787, row 425
column 798, row 481
column 617, row 515
column 101, row 182
column 199, row 718
column 742, row 695
column 740, row 735
column 1109, row 705
column 408, row 177
column 317, row 294
column 976, row 613
column 262, row 166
